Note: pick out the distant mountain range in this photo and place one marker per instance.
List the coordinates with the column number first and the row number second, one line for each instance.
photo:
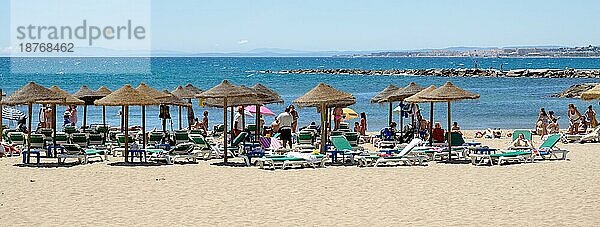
column 273, row 52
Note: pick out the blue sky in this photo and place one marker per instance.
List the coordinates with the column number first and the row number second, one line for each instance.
column 312, row 25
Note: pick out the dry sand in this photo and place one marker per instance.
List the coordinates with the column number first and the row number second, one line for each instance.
column 557, row 193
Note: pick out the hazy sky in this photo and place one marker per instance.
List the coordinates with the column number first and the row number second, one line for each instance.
column 239, row 25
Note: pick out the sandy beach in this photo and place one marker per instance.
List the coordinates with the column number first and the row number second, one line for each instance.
column 555, row 193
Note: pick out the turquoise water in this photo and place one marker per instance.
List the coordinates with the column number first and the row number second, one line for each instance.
column 504, row 102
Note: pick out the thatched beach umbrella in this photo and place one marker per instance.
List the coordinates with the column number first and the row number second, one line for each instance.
column 171, row 100
column 400, row 94
column 67, row 101
column 449, row 93
column 324, row 96
column 89, row 96
column 270, row 97
column 104, row 91
column 28, row 95
column 591, row 94
column 382, row 95
column 417, row 98
column 144, row 88
column 225, row 91
column 187, row 92
column 127, row 96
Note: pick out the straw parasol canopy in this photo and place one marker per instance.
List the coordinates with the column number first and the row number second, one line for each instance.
column 127, row 96
column 144, row 88
column 325, row 94
column 86, row 93
column 591, row 94
column 172, row 100
column 225, row 89
column 68, row 99
column 223, row 92
column 104, row 91
column 401, row 94
column 417, row 98
column 186, row 92
column 387, row 91
column 31, row 93
column 272, row 96
column 450, row 92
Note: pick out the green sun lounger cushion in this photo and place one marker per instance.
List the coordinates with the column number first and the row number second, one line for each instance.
column 93, row 152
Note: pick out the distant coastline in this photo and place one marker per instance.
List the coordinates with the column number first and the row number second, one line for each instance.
column 452, row 72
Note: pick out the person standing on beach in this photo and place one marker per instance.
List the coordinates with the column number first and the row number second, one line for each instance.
column 238, row 125
column 204, row 124
column 73, row 115
column 295, row 115
column 542, row 122
column 338, row 114
column 363, row 124
column 574, row 119
column 590, row 115
column 285, row 120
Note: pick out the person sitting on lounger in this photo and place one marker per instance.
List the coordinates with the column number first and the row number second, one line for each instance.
column 521, row 142
column 438, row 133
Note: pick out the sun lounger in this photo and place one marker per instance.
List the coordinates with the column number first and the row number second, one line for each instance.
column 292, row 159
column 182, row 136
column 181, row 151
column 61, row 138
column 81, row 154
column 591, row 137
column 404, row 157
column 548, row 149
column 36, row 140
column 79, row 139
column 16, row 138
column 343, row 147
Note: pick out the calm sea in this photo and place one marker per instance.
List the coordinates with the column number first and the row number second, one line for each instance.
column 504, row 102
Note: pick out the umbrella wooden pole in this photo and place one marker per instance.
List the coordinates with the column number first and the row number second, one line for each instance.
column 412, row 120
column 122, row 118
column 29, row 112
column 431, row 124
column 243, row 118
column 180, row 125
column 257, row 108
column 144, row 127
column 126, row 123
column 323, row 126
column 104, row 122
column 54, row 125
column 225, row 129
column 164, row 120
column 401, row 118
column 232, row 124
column 390, row 118
column 84, row 117
column 449, row 132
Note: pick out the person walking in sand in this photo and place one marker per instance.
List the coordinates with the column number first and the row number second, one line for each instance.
column 574, row 119
column 238, row 125
column 285, row 120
